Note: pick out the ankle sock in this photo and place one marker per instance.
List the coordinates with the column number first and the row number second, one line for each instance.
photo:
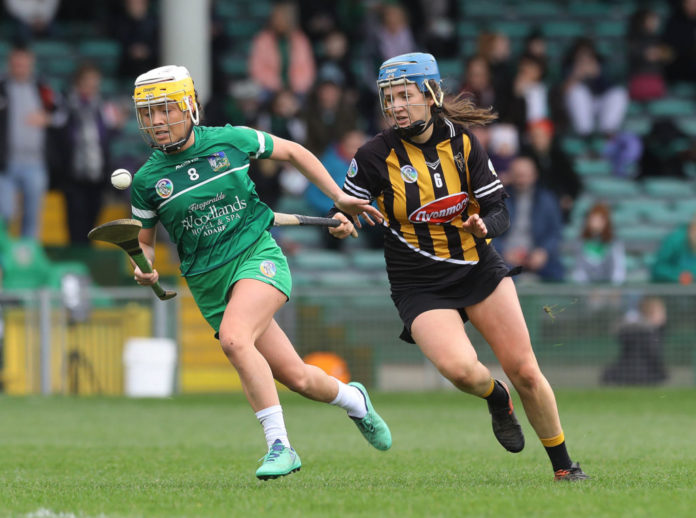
column 271, row 419
column 351, row 400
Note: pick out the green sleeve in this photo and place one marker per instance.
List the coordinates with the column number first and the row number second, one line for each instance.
column 142, row 208
column 255, row 143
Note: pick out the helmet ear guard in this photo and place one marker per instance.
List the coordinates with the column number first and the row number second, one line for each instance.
column 436, row 98
column 414, row 68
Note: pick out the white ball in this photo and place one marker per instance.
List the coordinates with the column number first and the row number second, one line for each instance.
column 121, row 179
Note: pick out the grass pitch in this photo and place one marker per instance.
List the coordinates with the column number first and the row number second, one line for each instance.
column 196, row 456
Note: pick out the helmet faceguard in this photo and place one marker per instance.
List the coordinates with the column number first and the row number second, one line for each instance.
column 414, row 68
column 166, row 86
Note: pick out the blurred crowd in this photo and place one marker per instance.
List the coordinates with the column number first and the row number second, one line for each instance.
column 310, row 77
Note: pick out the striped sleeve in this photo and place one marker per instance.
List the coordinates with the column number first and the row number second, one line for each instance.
column 365, row 166
column 485, row 184
column 351, row 183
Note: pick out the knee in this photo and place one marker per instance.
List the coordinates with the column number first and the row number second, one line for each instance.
column 233, row 344
column 461, row 374
column 526, row 377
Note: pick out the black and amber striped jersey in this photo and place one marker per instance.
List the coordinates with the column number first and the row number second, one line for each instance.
column 425, row 193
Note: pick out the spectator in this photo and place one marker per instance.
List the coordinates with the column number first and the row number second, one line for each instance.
column 640, row 360
column 534, row 238
column 329, row 112
column 494, row 47
column 89, row 126
column 599, row 256
column 477, row 82
column 237, row 103
column 676, row 258
column 337, row 160
column 593, row 102
column 281, row 55
column 503, row 145
column 535, row 45
column 529, row 84
column 666, row 150
column 556, row 169
column 25, row 112
column 647, row 56
column 525, row 98
column 387, row 33
column 282, row 117
column 336, row 52
column 679, row 35
column 32, row 18
column 137, row 30
column 394, row 35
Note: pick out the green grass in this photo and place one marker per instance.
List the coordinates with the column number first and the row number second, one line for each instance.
column 196, row 456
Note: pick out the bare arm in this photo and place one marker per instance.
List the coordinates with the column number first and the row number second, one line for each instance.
column 310, row 166
column 147, row 238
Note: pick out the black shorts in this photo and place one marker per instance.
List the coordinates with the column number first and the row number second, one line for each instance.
column 478, row 283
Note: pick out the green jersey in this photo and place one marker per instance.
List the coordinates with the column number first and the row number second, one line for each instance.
column 204, row 197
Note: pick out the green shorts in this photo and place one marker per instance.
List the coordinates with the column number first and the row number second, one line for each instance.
column 263, row 261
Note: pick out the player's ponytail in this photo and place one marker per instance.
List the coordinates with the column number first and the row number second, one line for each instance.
column 461, row 109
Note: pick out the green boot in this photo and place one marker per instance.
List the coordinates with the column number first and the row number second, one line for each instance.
column 278, row 462
column 372, row 426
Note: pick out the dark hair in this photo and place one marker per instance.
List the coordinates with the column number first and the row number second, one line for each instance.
column 21, row 45
column 462, row 109
column 534, row 34
column 540, row 62
column 581, row 43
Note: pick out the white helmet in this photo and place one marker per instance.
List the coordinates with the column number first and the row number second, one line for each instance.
column 165, row 85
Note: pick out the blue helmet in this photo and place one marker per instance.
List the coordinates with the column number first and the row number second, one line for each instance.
column 414, row 68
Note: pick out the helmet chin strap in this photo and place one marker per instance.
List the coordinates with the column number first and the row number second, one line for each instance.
column 176, row 146
column 414, row 129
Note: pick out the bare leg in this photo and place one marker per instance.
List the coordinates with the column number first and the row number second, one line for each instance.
column 289, row 369
column 499, row 319
column 313, row 383
column 249, row 312
column 441, row 336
